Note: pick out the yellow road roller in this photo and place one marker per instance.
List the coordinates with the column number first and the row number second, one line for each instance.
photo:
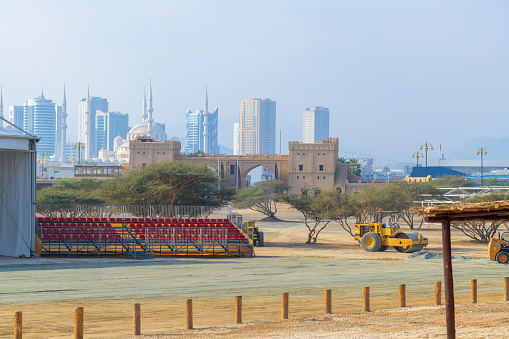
column 377, row 237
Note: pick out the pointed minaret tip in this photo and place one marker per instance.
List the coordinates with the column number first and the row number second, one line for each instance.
column 88, row 90
column 64, row 102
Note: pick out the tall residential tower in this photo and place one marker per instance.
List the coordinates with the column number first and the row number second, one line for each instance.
column 257, row 126
column 315, row 124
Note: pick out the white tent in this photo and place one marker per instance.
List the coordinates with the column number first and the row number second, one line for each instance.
column 17, row 192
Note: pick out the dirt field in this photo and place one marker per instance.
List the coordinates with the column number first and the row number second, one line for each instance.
column 47, row 289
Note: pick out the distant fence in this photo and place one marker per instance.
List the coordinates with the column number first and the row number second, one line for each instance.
column 130, row 211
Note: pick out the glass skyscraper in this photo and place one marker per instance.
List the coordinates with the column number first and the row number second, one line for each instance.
column 39, row 119
column 108, row 126
column 194, row 131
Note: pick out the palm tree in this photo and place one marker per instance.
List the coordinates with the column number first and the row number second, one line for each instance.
column 355, row 167
column 342, row 160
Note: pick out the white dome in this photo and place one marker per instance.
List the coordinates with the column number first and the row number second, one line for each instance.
column 142, row 128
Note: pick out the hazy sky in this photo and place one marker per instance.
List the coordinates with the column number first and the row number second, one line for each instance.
column 393, row 73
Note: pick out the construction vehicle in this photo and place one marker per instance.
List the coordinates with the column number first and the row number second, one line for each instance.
column 377, row 237
column 498, row 249
column 253, row 233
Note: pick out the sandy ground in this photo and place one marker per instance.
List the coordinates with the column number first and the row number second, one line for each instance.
column 47, row 289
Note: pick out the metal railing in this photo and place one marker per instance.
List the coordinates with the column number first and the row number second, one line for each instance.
column 130, row 211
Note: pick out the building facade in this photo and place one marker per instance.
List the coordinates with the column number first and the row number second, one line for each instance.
column 39, row 119
column 308, row 169
column 257, row 126
column 315, row 124
column 202, row 128
column 108, row 126
column 236, row 138
column 88, row 107
column 16, row 115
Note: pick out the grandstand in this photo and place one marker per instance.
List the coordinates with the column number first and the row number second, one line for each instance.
column 142, row 237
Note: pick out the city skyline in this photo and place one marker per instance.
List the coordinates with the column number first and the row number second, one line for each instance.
column 412, row 69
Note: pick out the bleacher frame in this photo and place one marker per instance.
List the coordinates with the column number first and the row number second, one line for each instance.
column 142, row 237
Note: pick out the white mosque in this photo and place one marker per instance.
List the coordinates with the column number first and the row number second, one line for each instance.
column 146, row 128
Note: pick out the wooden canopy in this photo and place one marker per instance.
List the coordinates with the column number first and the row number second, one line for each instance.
column 445, row 214
column 487, row 210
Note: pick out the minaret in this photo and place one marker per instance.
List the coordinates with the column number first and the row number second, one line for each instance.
column 150, row 110
column 88, row 114
column 206, row 143
column 63, row 155
column 144, row 114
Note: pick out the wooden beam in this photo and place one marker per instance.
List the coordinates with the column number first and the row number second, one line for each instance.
column 467, row 216
column 449, row 286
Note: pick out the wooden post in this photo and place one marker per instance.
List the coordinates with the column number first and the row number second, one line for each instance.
column 402, row 295
column 189, row 314
column 449, row 285
column 438, row 293
column 473, row 291
column 506, row 289
column 18, row 325
column 327, row 296
column 284, row 305
column 136, row 319
column 365, row 298
column 78, row 322
column 238, row 310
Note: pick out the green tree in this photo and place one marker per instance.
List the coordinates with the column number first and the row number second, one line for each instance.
column 261, row 196
column 355, row 167
column 453, row 181
column 72, row 191
column 314, row 218
column 165, row 183
column 336, row 206
column 342, row 160
column 479, row 230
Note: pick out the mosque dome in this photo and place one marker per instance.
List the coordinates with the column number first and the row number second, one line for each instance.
column 142, row 128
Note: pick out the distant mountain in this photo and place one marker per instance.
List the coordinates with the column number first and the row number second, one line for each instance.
column 225, row 150
column 498, row 149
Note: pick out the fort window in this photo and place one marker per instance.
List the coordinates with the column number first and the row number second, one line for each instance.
column 232, row 169
column 301, row 167
column 321, row 167
column 303, row 177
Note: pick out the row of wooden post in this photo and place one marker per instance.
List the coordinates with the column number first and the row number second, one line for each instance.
column 78, row 311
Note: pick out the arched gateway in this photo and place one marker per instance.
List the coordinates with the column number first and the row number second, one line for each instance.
column 308, row 167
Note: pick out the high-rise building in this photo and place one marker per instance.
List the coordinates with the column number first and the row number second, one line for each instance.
column 257, row 126
column 16, row 115
column 87, row 108
column 315, row 124
column 39, row 119
column 108, row 126
column 236, row 138
column 202, row 130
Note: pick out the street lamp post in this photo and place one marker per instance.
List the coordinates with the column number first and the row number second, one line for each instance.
column 417, row 155
column 79, row 145
column 482, row 151
column 426, row 146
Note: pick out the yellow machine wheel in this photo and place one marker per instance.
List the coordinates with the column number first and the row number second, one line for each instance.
column 371, row 242
column 502, row 257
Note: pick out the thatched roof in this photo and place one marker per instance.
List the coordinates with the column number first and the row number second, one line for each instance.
column 485, row 206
